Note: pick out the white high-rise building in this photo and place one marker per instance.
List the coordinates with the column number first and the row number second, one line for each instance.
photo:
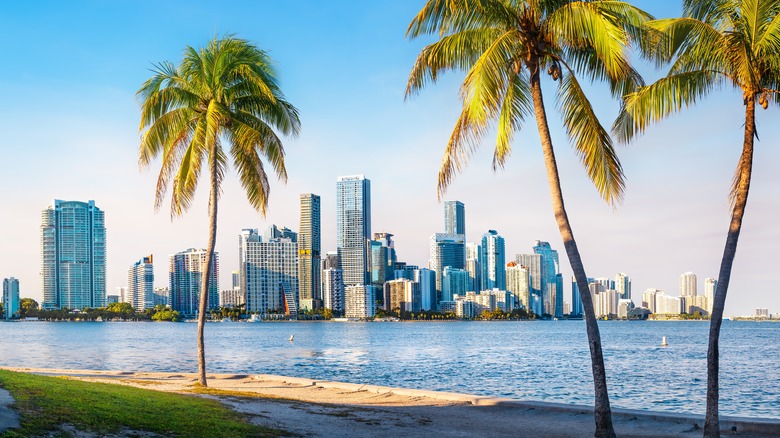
column 623, row 285
column 359, row 301
column 474, row 266
column 10, row 298
column 648, row 299
column 518, row 282
column 333, row 290
column 269, row 273
column 688, row 285
column 402, row 294
column 353, row 228
column 533, row 262
column 140, row 284
column 710, row 284
column 186, row 273
column 73, row 255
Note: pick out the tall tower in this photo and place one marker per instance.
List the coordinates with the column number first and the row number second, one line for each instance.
column 140, row 284
column 518, row 283
column 493, row 261
column 623, row 285
column 310, row 295
column 688, row 285
column 353, row 228
column 446, row 250
column 534, row 264
column 269, row 273
column 73, row 255
column 710, row 284
column 186, row 272
column 454, row 217
column 552, row 286
column 10, row 298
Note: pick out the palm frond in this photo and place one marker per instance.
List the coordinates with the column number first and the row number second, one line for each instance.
column 591, row 141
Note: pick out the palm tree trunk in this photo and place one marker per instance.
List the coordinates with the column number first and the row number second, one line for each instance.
column 207, row 268
column 745, row 169
column 602, row 411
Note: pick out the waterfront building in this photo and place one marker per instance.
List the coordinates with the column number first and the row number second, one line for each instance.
column 667, row 305
column 10, row 298
column 466, row 309
column 112, row 299
column 696, row 304
column 235, row 277
column 162, row 296
column 353, row 228
column 454, row 218
column 140, row 284
column 269, row 273
column 454, row 282
column 402, row 295
column 710, row 284
column 73, row 255
column 474, row 266
column 446, row 250
column 551, row 283
column 333, row 290
column 534, row 264
column 624, row 306
column 448, row 307
column 623, row 285
column 762, row 313
column 186, row 273
column 427, row 280
column 566, row 308
column 688, row 284
column 359, row 301
column 605, row 301
column 121, row 292
column 331, row 261
column 231, row 298
column 383, row 260
column 493, row 261
column 649, row 299
column 576, row 298
column 309, row 258
column 518, row 282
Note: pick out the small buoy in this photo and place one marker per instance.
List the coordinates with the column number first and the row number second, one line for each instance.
column 663, row 341
column 293, row 336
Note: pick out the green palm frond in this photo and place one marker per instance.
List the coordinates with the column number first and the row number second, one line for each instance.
column 668, row 95
column 516, row 106
column 591, row 141
column 226, row 90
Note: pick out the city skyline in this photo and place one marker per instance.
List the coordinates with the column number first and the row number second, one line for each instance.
column 673, row 219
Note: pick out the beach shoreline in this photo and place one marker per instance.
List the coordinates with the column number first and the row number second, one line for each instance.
column 311, row 407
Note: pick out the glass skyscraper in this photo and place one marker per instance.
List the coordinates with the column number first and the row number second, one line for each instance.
column 73, row 255
column 552, row 282
column 454, row 217
column 353, row 228
column 493, row 261
column 186, row 272
column 309, row 242
column 446, row 250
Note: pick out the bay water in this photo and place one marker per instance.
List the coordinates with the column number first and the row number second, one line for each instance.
column 531, row 360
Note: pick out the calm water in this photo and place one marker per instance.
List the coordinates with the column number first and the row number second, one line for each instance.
column 545, row 360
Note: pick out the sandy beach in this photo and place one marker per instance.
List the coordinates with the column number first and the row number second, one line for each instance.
column 314, row 408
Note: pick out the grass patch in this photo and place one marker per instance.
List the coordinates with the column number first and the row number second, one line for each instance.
column 46, row 403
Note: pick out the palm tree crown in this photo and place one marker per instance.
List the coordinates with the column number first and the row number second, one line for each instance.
column 224, row 92
column 502, row 45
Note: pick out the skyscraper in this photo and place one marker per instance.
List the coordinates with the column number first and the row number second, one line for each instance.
column 333, row 290
column 552, row 294
column 688, row 284
column 473, row 266
column 353, row 228
column 446, row 250
column 269, row 273
column 383, row 260
column 10, row 297
column 454, row 218
column 518, row 282
column 710, row 284
column 493, row 261
column 623, row 285
column 140, row 284
column 309, row 252
column 186, row 273
column 534, row 264
column 454, row 282
column 359, row 301
column 73, row 255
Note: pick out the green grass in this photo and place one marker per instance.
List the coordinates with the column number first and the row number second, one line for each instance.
column 46, row 403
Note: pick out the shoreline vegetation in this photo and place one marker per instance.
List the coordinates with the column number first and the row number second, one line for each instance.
column 122, row 403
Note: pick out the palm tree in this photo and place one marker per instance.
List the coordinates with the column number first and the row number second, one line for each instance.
column 226, row 92
column 504, row 47
column 717, row 43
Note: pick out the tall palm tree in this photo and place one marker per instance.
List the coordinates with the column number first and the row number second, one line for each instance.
column 505, row 46
column 224, row 93
column 716, row 44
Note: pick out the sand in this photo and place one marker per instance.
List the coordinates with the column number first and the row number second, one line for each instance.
column 314, row 408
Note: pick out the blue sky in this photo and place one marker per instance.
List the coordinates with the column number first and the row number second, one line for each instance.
column 69, row 120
